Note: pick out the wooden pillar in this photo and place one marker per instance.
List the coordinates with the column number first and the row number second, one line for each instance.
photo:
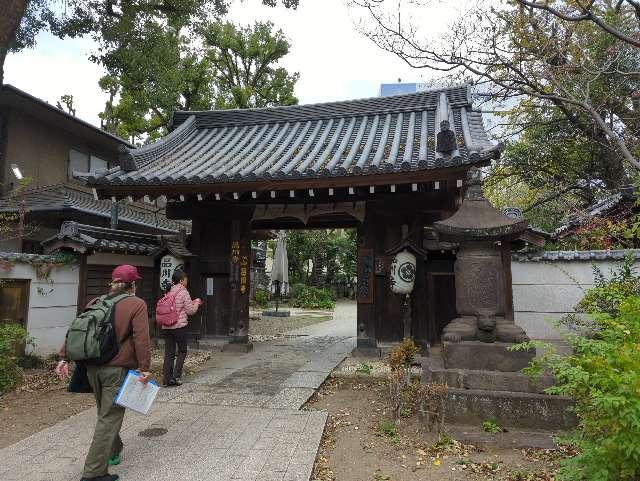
column 239, row 279
column 221, row 244
column 367, row 288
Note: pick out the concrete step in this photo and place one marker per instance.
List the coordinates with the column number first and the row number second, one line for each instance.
column 485, row 380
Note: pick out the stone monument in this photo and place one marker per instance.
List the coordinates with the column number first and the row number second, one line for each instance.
column 480, row 371
column 481, row 291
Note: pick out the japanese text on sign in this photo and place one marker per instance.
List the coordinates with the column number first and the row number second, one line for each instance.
column 365, row 275
column 235, row 251
column 244, row 274
column 168, row 265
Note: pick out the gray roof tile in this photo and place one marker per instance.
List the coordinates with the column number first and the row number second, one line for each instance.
column 100, row 239
column 559, row 256
column 356, row 137
column 60, row 197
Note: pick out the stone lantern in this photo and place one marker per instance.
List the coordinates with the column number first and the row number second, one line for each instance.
column 481, row 291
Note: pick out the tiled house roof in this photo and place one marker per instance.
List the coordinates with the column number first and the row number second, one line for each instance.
column 85, row 238
column 350, row 138
column 61, row 197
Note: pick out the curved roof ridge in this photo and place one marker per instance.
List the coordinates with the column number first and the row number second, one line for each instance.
column 458, row 96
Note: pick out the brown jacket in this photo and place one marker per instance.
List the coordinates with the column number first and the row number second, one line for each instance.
column 132, row 329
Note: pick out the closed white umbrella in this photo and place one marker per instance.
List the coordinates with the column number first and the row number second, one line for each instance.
column 280, row 269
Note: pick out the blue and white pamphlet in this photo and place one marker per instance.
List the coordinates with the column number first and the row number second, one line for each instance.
column 136, row 395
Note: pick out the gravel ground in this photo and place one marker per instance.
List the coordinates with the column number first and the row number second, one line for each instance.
column 263, row 329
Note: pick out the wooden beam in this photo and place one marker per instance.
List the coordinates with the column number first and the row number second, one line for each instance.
column 419, row 176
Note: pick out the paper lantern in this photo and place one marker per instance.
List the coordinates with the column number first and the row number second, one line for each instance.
column 403, row 272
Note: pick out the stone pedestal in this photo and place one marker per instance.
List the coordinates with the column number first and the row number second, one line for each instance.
column 478, row 355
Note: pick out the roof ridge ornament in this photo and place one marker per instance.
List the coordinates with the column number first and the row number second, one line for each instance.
column 126, row 160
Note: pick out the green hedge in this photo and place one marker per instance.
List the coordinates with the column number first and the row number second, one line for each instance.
column 309, row 297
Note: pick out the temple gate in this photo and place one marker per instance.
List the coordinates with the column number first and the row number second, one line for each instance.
column 383, row 165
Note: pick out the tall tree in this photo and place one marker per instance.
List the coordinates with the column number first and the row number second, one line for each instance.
column 22, row 20
column 578, row 67
column 12, row 13
column 155, row 70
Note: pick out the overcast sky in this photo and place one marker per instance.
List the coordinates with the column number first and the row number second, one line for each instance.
column 334, row 60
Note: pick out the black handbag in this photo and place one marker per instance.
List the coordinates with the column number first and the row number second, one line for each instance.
column 79, row 381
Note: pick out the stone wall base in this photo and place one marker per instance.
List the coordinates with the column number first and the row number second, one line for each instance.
column 509, row 409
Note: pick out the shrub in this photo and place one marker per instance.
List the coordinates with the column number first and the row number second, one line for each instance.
column 388, row 429
column 261, row 298
column 491, row 427
column 12, row 338
column 603, row 378
column 313, row 298
column 364, row 368
column 608, row 294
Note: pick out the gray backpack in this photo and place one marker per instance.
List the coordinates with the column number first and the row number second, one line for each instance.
column 92, row 336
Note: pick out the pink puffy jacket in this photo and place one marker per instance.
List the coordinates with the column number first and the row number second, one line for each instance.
column 184, row 305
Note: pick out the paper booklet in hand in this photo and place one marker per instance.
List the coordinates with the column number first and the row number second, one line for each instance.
column 136, row 395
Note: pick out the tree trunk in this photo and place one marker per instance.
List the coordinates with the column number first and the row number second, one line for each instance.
column 12, row 13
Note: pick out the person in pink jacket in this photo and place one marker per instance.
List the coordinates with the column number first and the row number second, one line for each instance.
column 177, row 334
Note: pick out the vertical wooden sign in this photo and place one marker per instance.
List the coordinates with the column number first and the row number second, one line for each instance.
column 365, row 276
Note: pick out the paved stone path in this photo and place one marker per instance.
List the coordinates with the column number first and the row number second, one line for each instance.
column 238, row 420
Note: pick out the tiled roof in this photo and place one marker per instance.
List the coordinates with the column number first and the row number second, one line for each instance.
column 100, row 239
column 357, row 137
column 28, row 258
column 599, row 208
column 595, row 255
column 62, row 197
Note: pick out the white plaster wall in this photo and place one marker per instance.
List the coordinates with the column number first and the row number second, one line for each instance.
column 52, row 304
column 545, row 291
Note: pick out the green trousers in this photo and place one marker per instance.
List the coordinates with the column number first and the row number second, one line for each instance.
column 105, row 382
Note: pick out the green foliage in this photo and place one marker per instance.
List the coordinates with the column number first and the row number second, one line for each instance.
column 261, row 298
column 388, row 429
column 364, row 368
column 609, row 293
column 603, row 378
column 322, row 257
column 154, row 69
column 12, row 339
column 558, row 159
column 491, row 427
column 314, row 298
column 102, row 19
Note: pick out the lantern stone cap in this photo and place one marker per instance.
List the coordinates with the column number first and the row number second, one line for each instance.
column 477, row 219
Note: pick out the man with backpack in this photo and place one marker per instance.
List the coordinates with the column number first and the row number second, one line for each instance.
column 111, row 336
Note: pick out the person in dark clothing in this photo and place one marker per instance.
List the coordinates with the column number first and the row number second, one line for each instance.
column 177, row 336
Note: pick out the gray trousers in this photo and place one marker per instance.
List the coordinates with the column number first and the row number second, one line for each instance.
column 105, row 382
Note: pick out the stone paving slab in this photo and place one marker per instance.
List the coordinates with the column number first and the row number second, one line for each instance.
column 207, row 443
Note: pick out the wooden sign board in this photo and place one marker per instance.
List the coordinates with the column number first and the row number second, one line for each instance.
column 366, row 269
